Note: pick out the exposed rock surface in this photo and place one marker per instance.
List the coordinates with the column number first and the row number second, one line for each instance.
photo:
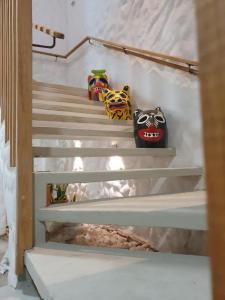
column 100, row 236
column 132, row 238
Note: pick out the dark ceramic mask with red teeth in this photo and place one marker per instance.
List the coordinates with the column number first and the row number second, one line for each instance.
column 96, row 83
column 150, row 129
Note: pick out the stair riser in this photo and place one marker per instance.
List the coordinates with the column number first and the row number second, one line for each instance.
column 79, row 133
column 99, row 176
column 79, row 108
column 101, row 152
column 47, row 96
column 60, row 89
column 78, row 119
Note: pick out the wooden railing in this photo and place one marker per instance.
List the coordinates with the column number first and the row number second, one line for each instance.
column 54, row 34
column 48, row 31
column 16, row 110
column 175, row 62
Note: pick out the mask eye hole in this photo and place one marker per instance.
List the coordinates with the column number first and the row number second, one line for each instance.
column 110, row 96
column 143, row 119
column 103, row 80
column 123, row 95
column 160, row 118
column 92, row 81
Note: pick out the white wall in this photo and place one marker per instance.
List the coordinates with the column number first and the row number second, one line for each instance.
column 161, row 26
column 8, row 201
column 52, row 14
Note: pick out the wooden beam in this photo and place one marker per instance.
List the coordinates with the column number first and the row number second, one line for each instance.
column 24, row 133
column 211, row 37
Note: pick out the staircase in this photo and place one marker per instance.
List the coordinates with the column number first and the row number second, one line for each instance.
column 62, row 271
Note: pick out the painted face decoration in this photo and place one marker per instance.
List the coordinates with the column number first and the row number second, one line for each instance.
column 150, row 129
column 117, row 103
column 96, row 82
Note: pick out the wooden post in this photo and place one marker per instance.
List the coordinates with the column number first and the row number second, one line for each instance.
column 24, row 132
column 211, row 37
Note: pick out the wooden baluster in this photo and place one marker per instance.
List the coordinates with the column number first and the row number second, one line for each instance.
column 7, row 75
column 211, row 37
column 10, row 73
column 3, row 62
column 24, row 133
column 14, row 78
column 10, row 76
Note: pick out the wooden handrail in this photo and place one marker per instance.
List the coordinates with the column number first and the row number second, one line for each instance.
column 52, row 33
column 175, row 62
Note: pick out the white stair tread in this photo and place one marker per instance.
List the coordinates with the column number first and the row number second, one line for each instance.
column 63, row 106
column 59, row 88
column 57, row 131
column 99, row 176
column 82, row 125
column 182, row 210
column 58, row 116
column 66, row 275
column 100, row 152
column 74, row 99
column 50, row 96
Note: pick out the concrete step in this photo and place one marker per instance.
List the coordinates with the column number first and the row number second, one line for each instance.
column 69, row 107
column 101, row 152
column 53, row 130
column 182, row 210
column 100, row 176
column 61, row 97
column 59, row 88
column 76, row 273
column 73, row 117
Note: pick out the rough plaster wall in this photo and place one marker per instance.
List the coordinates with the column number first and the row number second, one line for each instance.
column 8, row 200
column 52, row 14
column 163, row 26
